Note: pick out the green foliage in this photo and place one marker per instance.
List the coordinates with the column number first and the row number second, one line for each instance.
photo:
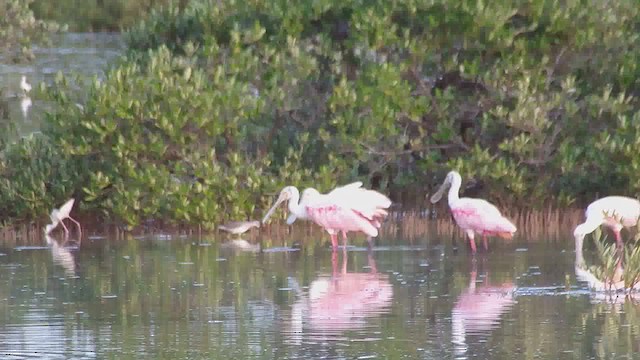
column 632, row 266
column 220, row 103
column 499, row 90
column 19, row 28
column 172, row 141
column 94, row 15
column 609, row 261
column 34, row 178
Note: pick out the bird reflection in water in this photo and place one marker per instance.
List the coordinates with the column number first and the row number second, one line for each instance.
column 64, row 255
column 340, row 302
column 478, row 309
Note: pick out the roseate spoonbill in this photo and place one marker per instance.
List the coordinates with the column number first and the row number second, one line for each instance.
column 474, row 215
column 615, row 212
column 57, row 215
column 346, row 208
column 239, row 227
column 24, row 85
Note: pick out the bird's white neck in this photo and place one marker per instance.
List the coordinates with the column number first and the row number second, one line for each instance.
column 455, row 180
column 295, row 207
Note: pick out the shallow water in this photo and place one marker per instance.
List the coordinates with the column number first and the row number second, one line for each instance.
column 83, row 54
column 163, row 297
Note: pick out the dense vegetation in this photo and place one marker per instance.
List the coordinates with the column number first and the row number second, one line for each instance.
column 95, row 15
column 220, row 103
column 19, row 28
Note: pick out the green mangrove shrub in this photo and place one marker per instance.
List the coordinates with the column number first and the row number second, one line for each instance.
column 94, row 15
column 220, row 103
column 19, row 29
column 510, row 93
column 172, row 141
column 35, row 177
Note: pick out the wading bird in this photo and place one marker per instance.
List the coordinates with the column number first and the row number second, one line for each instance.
column 615, row 212
column 474, row 215
column 57, row 215
column 346, row 208
column 239, row 227
column 24, row 85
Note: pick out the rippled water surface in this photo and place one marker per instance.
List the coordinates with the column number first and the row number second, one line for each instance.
column 163, row 297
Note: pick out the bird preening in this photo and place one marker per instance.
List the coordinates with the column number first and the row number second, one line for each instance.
column 58, row 215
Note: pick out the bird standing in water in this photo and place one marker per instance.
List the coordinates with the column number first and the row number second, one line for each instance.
column 615, row 212
column 239, row 227
column 24, row 85
column 58, row 215
column 473, row 215
column 346, row 208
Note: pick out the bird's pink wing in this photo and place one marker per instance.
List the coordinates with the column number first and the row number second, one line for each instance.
column 352, row 209
column 481, row 215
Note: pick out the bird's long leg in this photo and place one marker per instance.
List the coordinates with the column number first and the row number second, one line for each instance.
column 344, row 239
column 369, row 242
column 334, row 263
column 484, row 240
column 334, row 241
column 472, row 241
column 66, row 230
column 372, row 261
column 79, row 227
column 344, row 260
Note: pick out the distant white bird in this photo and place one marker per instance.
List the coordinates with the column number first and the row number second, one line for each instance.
column 24, row 85
column 57, row 215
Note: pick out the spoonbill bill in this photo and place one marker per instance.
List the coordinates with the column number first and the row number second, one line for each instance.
column 473, row 215
column 24, row 85
column 57, row 215
column 346, row 208
column 615, row 212
column 239, row 227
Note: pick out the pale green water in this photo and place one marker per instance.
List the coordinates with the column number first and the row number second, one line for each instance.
column 183, row 299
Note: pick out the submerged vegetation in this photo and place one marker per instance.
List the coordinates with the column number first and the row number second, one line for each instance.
column 616, row 268
column 218, row 104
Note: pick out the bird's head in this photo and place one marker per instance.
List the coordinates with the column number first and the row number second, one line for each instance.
column 288, row 193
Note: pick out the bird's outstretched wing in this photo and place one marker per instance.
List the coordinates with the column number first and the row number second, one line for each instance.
column 65, row 209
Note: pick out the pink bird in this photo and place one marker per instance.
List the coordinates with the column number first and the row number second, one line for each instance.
column 615, row 212
column 346, row 208
column 474, row 215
